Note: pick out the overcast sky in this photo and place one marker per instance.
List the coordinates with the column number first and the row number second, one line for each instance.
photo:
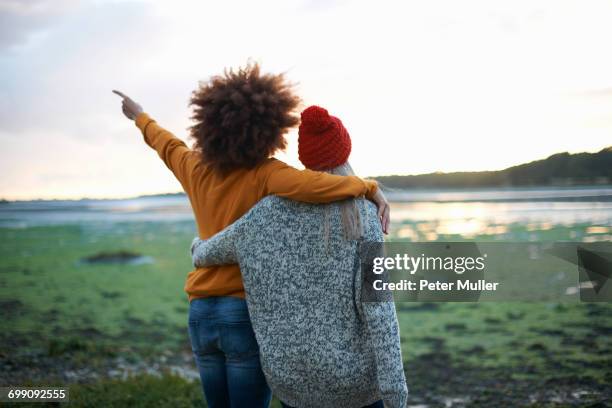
column 422, row 86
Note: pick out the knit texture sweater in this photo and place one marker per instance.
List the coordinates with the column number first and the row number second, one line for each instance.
column 218, row 200
column 320, row 346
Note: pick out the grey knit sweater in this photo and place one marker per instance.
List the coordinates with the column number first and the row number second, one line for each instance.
column 319, row 345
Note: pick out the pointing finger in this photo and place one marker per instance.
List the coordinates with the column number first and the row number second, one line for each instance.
column 121, row 94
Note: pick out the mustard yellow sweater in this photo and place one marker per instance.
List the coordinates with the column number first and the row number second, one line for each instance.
column 219, row 200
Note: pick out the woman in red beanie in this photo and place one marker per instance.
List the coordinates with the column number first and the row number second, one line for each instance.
column 321, row 345
column 324, row 144
column 240, row 121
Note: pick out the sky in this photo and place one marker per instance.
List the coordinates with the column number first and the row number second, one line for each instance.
column 422, row 86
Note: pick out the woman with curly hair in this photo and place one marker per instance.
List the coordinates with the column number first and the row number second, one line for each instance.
column 241, row 118
column 322, row 343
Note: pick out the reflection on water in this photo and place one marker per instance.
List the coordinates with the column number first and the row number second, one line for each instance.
column 430, row 220
column 522, row 214
column 599, row 193
column 565, row 213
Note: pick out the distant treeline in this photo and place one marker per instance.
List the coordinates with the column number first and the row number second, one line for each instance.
column 561, row 169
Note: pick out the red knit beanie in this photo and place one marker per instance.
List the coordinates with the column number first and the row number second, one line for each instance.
column 323, row 142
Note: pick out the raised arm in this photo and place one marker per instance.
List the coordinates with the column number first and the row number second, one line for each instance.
column 172, row 150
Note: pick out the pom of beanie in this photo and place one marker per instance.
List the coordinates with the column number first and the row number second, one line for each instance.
column 316, row 119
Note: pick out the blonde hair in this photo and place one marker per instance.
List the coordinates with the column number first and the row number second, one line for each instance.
column 352, row 225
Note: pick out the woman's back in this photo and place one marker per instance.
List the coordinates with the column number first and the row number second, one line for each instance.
column 302, row 285
column 218, row 199
column 239, row 122
column 302, row 305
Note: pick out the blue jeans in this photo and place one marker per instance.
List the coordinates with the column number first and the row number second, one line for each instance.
column 227, row 353
column 377, row 404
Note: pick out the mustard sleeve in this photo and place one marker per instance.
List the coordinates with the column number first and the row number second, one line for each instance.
column 172, row 150
column 314, row 186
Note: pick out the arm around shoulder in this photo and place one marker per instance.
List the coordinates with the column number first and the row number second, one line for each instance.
column 313, row 186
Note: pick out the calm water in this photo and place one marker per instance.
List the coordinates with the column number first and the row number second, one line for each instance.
column 571, row 213
column 438, row 212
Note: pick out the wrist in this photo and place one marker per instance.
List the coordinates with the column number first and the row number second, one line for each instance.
column 371, row 189
column 142, row 120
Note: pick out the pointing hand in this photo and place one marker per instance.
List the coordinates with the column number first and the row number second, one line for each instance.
column 130, row 108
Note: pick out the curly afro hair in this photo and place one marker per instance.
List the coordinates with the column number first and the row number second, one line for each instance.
column 241, row 117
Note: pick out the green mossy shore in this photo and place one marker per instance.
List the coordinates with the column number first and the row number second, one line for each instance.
column 116, row 332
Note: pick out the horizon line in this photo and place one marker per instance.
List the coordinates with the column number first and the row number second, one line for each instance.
column 128, row 197
column 391, row 190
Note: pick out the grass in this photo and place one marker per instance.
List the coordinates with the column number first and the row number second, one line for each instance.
column 44, row 281
column 140, row 391
column 65, row 321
